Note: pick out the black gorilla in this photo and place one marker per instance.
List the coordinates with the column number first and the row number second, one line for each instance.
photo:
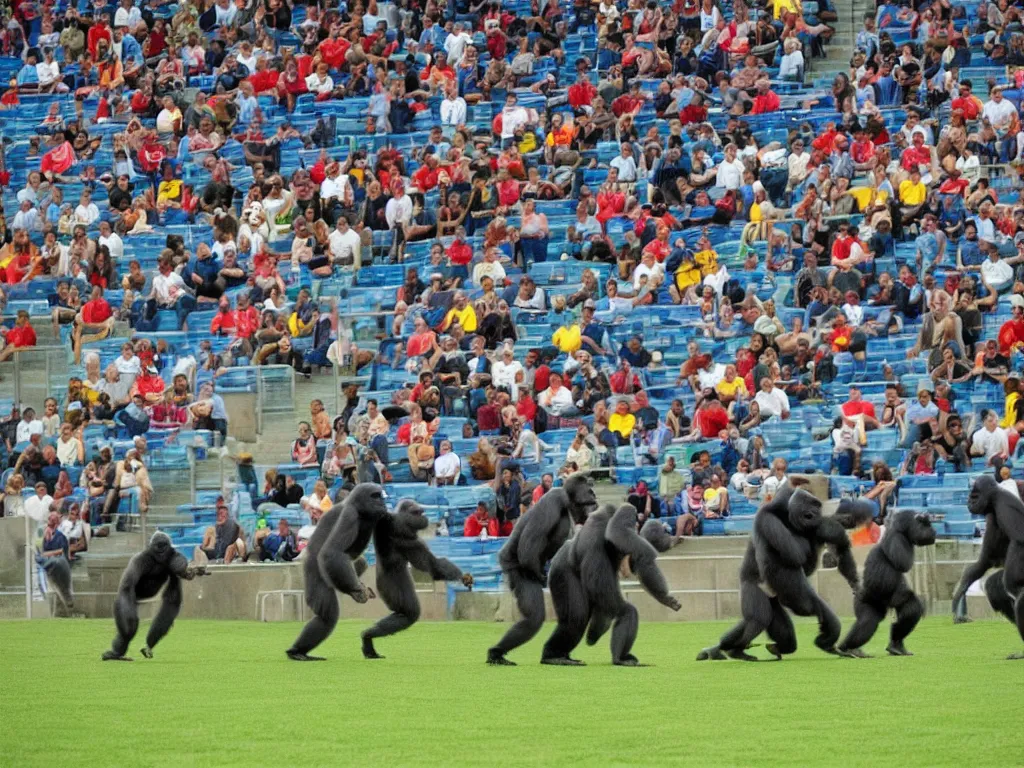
column 146, row 574
column 884, row 585
column 334, row 561
column 584, row 583
column 397, row 545
column 58, row 577
column 1003, row 543
column 534, row 541
column 785, row 547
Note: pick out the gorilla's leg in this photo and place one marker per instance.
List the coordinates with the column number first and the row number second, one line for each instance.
column 909, row 611
column 573, row 611
column 398, row 592
column 1013, row 581
column 624, row 635
column 170, row 604
column 998, row 597
column 126, row 619
column 993, row 545
column 780, row 630
column 796, row 593
column 530, row 600
column 868, row 618
column 318, row 628
column 600, row 622
column 757, row 615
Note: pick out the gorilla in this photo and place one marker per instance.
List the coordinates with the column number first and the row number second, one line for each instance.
column 397, row 545
column 1003, row 543
column 147, row 572
column 785, row 548
column 885, row 586
column 534, row 541
column 334, row 561
column 584, row 583
column 58, row 577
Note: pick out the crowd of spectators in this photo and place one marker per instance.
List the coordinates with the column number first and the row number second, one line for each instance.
column 467, row 145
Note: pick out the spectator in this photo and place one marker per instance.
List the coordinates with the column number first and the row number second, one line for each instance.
column 480, row 524
column 508, row 502
column 223, row 541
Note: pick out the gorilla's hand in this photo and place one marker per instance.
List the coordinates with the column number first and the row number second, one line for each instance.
column 674, row 604
column 361, row 595
column 370, row 594
column 467, row 580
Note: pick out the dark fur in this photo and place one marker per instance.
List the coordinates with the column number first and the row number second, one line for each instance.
column 1003, row 544
column 58, row 577
column 785, row 548
column 585, row 583
column 885, row 586
column 334, row 561
column 534, row 541
column 397, row 545
column 157, row 565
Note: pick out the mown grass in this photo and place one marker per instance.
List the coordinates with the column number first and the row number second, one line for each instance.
column 223, row 693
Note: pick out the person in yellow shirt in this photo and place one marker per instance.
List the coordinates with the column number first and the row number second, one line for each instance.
column 913, row 194
column 568, row 338
column 463, row 312
column 1011, row 388
column 867, row 195
column 560, row 135
column 732, row 387
column 706, row 259
column 686, row 276
column 779, row 7
column 622, row 422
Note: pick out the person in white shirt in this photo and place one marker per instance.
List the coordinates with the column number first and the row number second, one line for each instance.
column 86, row 212
column 778, row 476
column 225, row 11
column 48, row 72
column 730, row 172
column 70, row 451
column 505, row 371
column 453, row 108
column 648, row 266
column 31, row 190
column 512, row 117
column 38, row 507
column 112, row 240
column 625, row 164
column 447, row 465
column 489, row 267
column 128, row 15
column 999, row 112
column 28, row 426
column 127, row 363
column 27, row 218
column 456, row 43
column 557, row 399
column 996, row 272
column 345, row 245
column 320, row 82
column 399, row 208
column 990, row 441
column 772, row 400
column 335, row 185
column 710, row 375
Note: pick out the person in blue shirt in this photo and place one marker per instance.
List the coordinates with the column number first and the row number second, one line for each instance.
column 280, row 546
column 969, row 248
column 592, row 333
column 634, row 353
column 55, row 543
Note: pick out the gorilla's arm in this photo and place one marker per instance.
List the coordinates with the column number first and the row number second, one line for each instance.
column 422, row 559
column 832, row 532
column 898, row 550
column 1009, row 513
column 993, row 551
column 334, row 563
column 621, row 534
column 853, row 513
column 58, row 573
column 792, row 550
column 654, row 533
column 180, row 567
column 538, row 525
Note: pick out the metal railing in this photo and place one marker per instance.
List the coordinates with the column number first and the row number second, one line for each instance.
column 28, row 376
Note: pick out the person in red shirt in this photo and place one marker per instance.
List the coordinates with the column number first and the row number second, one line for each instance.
column 10, row 97
column 711, row 417
column 659, row 245
column 856, row 405
column 480, row 522
column 862, row 152
column 916, row 155
column 967, row 103
column 20, row 336
column 824, row 142
column 547, row 480
column 842, row 244
column 224, row 321
column 629, row 103
column 1011, row 334
column 766, row 99
column 582, row 92
column 94, row 322
column 425, row 177
column 460, row 254
column 99, row 31
column 149, row 385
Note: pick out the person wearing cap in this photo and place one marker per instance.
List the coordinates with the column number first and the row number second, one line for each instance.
column 150, row 385
column 224, row 540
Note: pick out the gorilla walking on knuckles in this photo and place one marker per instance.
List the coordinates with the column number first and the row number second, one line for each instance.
column 147, row 572
column 398, row 546
column 334, row 561
column 884, row 585
column 534, row 541
column 784, row 549
column 1003, row 544
column 584, row 583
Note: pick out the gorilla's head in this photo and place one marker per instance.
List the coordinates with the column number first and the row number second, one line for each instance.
column 979, row 500
column 853, row 513
column 368, row 500
column 804, row 511
column 582, row 500
column 409, row 516
column 160, row 547
column 657, row 536
column 917, row 527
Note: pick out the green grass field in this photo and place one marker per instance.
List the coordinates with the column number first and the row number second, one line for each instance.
column 223, row 693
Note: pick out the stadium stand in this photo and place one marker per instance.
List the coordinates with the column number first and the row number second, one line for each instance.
column 685, row 247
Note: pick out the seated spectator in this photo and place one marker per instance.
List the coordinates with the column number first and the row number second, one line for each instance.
column 224, row 541
column 281, row 546
column 481, row 524
column 447, row 466
column 509, row 495
column 547, row 482
column 134, row 417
